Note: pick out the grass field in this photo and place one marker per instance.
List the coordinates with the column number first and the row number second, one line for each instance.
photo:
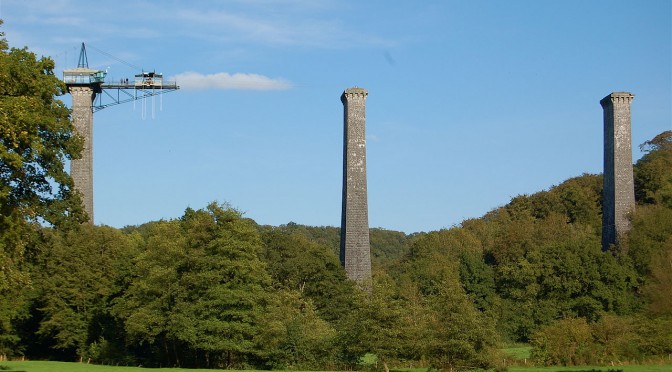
column 77, row 367
column 81, row 367
column 643, row 368
column 519, row 352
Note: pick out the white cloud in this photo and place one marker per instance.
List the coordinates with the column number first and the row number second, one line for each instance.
column 224, row 80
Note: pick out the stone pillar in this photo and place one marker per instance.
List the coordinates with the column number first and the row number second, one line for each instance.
column 81, row 170
column 618, row 198
column 355, row 252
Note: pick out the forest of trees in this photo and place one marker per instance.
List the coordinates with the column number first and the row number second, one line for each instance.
column 213, row 289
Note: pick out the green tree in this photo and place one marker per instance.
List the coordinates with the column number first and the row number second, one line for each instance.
column 377, row 326
column 654, row 334
column 653, row 175
column 148, row 303
column 36, row 137
column 659, row 285
column 326, row 236
column 566, row 342
column 76, row 274
column 441, row 324
column 568, row 277
column 387, row 246
column 298, row 264
column 574, row 341
column 615, row 338
column 293, row 336
column 478, row 280
column 581, row 198
column 651, row 231
column 200, row 290
column 458, row 335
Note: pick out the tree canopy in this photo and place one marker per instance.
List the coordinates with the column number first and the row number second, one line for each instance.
column 36, row 137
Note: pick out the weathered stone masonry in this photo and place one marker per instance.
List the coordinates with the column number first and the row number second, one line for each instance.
column 355, row 252
column 81, row 169
column 618, row 198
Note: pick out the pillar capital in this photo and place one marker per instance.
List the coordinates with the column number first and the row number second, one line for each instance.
column 354, row 92
column 617, row 97
column 80, row 90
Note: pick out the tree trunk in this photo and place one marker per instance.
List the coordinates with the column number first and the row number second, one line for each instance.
column 177, row 357
column 165, row 348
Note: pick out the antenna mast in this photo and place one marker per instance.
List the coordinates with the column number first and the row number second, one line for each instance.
column 83, row 61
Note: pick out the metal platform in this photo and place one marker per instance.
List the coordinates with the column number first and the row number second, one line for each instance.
column 117, row 93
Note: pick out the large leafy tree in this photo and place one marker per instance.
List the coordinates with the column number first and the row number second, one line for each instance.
column 652, row 220
column 431, row 311
column 458, row 335
column 293, row 336
column 384, row 325
column 296, row 263
column 77, row 272
column 36, row 138
column 200, row 290
column 653, row 180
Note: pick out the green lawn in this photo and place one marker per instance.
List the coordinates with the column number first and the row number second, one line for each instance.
column 81, row 367
column 77, row 367
column 643, row 368
column 519, row 352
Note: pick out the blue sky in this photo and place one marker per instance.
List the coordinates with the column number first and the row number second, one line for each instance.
column 470, row 102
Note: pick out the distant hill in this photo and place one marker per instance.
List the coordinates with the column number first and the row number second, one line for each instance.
column 386, row 245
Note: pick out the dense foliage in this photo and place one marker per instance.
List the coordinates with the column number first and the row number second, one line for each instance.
column 35, row 140
column 213, row 289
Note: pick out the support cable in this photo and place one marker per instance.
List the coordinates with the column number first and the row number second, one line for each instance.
column 116, row 58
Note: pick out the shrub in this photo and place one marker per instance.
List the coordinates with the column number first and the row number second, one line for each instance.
column 566, row 342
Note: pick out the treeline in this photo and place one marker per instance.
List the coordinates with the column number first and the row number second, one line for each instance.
column 214, row 289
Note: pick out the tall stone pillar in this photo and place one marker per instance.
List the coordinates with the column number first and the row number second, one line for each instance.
column 355, row 252
column 618, row 198
column 81, row 170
